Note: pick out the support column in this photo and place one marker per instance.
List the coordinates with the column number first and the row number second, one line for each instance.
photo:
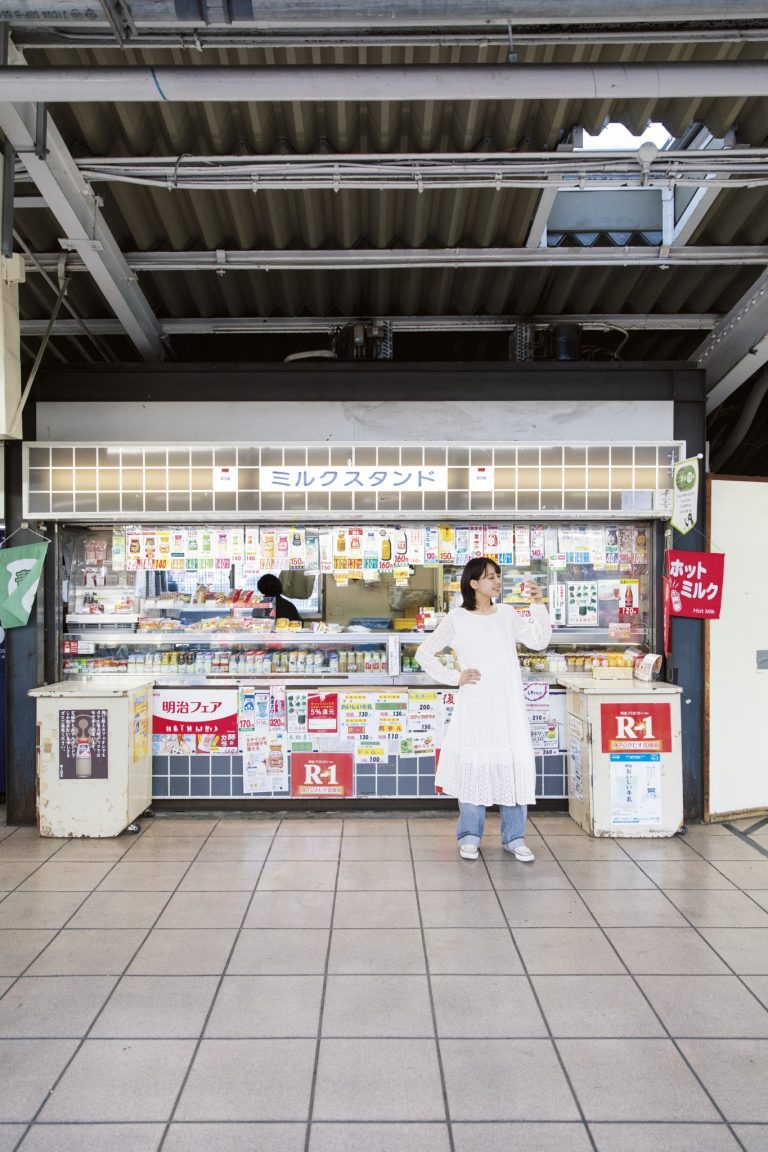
column 24, row 648
column 11, row 275
column 686, row 662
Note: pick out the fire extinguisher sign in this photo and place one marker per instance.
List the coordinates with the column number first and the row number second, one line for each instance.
column 636, row 727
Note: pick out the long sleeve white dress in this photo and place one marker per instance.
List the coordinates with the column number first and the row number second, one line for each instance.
column 487, row 755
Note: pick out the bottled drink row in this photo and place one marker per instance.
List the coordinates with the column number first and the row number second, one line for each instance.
column 226, row 662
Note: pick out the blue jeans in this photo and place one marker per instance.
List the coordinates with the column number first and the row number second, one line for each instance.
column 472, row 822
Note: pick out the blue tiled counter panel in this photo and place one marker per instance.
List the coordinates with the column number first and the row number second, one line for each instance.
column 221, row 777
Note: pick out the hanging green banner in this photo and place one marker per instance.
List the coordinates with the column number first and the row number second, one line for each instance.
column 685, row 494
column 20, row 571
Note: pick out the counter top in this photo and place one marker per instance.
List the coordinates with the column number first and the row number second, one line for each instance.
column 97, row 686
column 584, row 682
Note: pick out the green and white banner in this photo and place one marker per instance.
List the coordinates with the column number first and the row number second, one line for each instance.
column 20, row 571
column 685, row 494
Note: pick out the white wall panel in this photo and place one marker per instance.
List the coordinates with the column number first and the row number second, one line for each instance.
column 737, row 687
column 462, row 421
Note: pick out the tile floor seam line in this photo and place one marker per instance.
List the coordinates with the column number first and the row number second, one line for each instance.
column 12, row 890
column 669, row 1035
column 62, row 927
column 82, row 1040
column 697, row 929
column 79, row 1046
column 537, row 1001
column 323, row 990
column 745, row 837
column 221, row 975
column 430, row 994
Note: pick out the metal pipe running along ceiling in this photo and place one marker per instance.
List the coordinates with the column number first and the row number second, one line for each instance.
column 223, row 260
column 648, row 168
column 383, row 84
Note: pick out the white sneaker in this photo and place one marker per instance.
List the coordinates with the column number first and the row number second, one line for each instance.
column 469, row 851
column 520, row 852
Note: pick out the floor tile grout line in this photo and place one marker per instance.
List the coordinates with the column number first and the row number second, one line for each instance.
column 323, row 991
column 88, row 893
column 745, row 836
column 537, row 1001
column 670, row 1037
column 82, row 1040
column 697, row 929
column 221, row 976
column 735, row 886
column 430, row 993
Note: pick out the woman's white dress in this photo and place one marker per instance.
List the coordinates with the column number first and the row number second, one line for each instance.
column 487, row 755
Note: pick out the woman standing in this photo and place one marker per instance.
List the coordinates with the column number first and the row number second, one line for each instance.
column 487, row 754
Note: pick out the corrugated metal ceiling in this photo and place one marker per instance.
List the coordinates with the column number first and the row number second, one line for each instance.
column 145, row 219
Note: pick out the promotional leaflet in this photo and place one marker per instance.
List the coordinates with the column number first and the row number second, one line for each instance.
column 391, row 710
column 206, row 718
column 538, row 542
column 447, row 545
column 695, row 583
column 357, row 716
column 629, row 598
column 491, row 542
column 83, row 744
column 322, row 712
column 522, row 535
column 423, row 707
column 296, row 712
column 371, row 752
column 476, row 540
column 462, row 546
column 636, row 727
column 685, row 494
column 506, row 545
column 582, row 603
column 322, row 774
column 636, row 788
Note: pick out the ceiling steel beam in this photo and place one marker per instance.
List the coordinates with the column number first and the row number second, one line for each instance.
column 431, row 83
column 77, row 212
column 275, row 325
column 693, row 215
column 392, row 13
column 647, row 167
column 369, row 259
column 737, row 346
column 537, row 230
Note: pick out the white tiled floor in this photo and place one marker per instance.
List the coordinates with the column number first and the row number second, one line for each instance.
column 325, row 984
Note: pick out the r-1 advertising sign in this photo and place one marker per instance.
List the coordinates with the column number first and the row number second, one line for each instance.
column 322, row 774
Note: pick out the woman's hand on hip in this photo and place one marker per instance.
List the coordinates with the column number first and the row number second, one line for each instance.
column 469, row 676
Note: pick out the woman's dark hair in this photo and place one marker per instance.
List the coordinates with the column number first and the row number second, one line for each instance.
column 474, row 570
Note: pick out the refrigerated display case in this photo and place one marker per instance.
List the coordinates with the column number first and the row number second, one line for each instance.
column 180, row 606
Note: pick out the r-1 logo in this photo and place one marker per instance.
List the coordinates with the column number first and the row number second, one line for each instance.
column 320, row 773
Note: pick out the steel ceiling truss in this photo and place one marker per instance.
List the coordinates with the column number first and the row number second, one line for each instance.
column 737, row 347
column 77, row 211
